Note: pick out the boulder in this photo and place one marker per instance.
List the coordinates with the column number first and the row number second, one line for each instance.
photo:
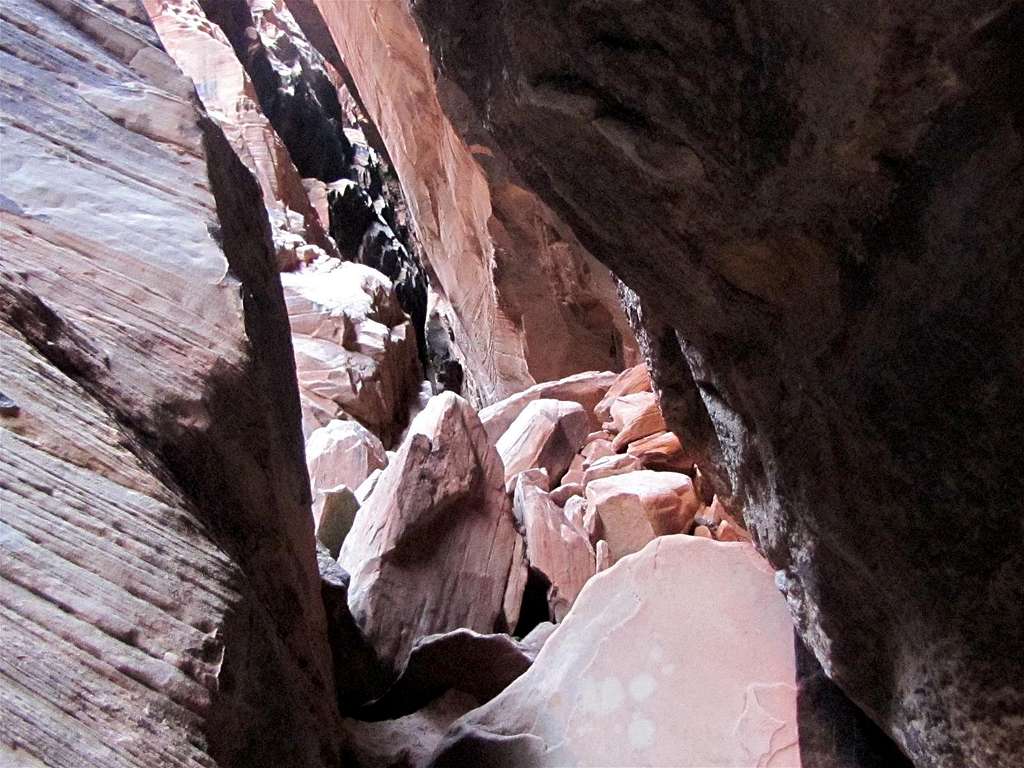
column 432, row 548
column 611, row 465
column 583, row 388
column 635, row 508
column 556, row 548
column 634, row 417
column 342, row 453
column 597, row 449
column 632, row 682
column 355, row 350
column 546, row 434
column 564, row 492
column 662, row 450
column 629, row 382
column 334, row 511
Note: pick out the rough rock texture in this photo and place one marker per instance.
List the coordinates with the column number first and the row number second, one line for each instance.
column 546, row 434
column 823, row 203
column 665, row 679
column 355, row 350
column 432, row 547
column 523, row 300
column 159, row 598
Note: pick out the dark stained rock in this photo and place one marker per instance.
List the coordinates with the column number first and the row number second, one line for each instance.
column 823, row 205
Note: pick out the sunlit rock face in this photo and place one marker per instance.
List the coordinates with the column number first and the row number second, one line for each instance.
column 523, row 301
column 680, row 655
column 160, row 596
column 818, row 211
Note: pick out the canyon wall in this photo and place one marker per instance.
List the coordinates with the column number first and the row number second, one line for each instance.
column 519, row 298
column 160, row 597
column 819, row 210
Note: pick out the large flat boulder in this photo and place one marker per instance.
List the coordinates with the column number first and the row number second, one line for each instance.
column 697, row 668
column 432, row 546
column 342, row 453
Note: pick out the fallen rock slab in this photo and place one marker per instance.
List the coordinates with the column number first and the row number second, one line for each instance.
column 587, row 389
column 634, row 417
column 704, row 678
column 432, row 547
column 342, row 452
column 634, row 508
column 546, row 434
column 630, row 381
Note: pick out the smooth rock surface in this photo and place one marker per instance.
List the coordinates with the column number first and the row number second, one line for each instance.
column 546, row 435
column 634, row 508
column 632, row 682
column 432, row 547
column 342, row 453
column 629, row 382
column 634, row 417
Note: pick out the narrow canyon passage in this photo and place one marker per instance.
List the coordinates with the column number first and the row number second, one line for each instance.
column 422, row 384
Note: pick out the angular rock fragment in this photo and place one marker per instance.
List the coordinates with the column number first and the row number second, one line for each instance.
column 630, row 381
column 342, row 453
column 583, row 388
column 564, row 492
column 629, row 682
column 663, row 451
column 546, row 434
column 432, row 548
column 334, row 511
column 636, row 507
column 553, row 545
column 634, row 417
column 611, row 465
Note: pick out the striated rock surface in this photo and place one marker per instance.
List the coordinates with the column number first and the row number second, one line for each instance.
column 522, row 299
column 160, row 601
column 696, row 675
column 818, row 209
column 633, row 508
column 355, row 350
column 432, row 547
column 546, row 435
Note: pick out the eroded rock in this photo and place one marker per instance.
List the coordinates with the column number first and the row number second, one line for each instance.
column 546, row 434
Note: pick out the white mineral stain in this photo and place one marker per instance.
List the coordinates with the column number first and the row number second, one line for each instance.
column 642, row 686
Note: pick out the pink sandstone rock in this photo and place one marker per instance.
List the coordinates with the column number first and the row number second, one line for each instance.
column 524, row 300
column 583, row 388
column 432, row 548
column 334, row 511
column 609, row 466
column 546, row 434
column 662, row 450
column 553, row 546
column 630, row 381
column 703, row 531
column 604, row 555
column 636, row 507
column 342, row 452
column 355, row 351
column 596, row 449
column 632, row 683
column 634, row 417
column 563, row 493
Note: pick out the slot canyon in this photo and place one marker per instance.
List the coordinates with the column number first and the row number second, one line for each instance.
column 511, row 383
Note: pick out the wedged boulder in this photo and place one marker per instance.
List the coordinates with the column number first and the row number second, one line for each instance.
column 630, row 381
column 342, row 452
column 566, row 491
column 596, row 449
column 432, row 547
column 546, row 434
column 634, row 508
column 584, row 388
column 695, row 675
column 554, row 546
column 634, row 417
column 334, row 511
column 355, row 350
column 662, row 450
